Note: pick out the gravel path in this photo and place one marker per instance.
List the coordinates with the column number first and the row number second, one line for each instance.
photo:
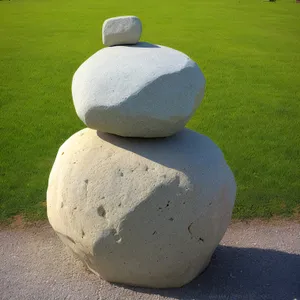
column 256, row 260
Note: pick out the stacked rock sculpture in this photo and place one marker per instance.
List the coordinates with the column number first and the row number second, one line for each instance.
column 137, row 197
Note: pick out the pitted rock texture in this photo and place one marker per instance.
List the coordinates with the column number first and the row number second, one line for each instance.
column 143, row 90
column 144, row 212
column 123, row 30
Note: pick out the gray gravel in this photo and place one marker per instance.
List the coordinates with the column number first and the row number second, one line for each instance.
column 256, row 260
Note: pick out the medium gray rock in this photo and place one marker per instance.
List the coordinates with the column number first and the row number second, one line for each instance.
column 143, row 90
column 121, row 31
column 144, row 212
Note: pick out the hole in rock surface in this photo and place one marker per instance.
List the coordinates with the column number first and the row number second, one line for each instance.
column 101, row 211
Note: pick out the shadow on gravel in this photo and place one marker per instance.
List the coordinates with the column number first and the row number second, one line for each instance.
column 242, row 273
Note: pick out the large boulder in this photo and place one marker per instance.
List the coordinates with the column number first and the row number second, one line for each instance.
column 121, row 31
column 145, row 212
column 142, row 90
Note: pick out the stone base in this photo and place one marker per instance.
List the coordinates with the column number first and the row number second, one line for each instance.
column 141, row 212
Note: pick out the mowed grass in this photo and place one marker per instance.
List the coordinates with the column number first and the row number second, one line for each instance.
column 248, row 50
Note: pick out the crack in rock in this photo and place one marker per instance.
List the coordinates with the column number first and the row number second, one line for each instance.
column 86, row 188
column 116, row 236
column 200, row 239
column 189, row 229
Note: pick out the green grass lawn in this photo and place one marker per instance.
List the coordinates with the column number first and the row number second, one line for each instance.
column 249, row 52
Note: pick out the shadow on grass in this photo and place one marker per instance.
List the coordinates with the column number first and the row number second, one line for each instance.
column 242, row 273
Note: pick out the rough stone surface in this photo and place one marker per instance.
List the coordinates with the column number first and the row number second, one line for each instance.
column 143, row 90
column 121, row 31
column 139, row 211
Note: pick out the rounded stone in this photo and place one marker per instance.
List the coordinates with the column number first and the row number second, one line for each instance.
column 138, row 211
column 143, row 90
column 123, row 30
